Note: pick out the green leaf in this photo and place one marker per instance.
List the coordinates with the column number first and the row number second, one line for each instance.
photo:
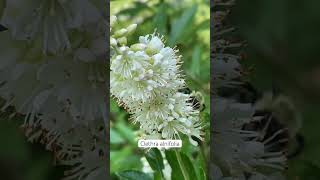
column 181, row 166
column 126, row 132
column 114, row 106
column 196, row 31
column 160, row 19
column 155, row 159
column 181, row 25
column 115, row 137
column 133, row 175
column 124, row 159
column 188, row 166
column 203, row 25
column 195, row 63
column 157, row 176
column 202, row 174
column 135, row 9
column 172, row 160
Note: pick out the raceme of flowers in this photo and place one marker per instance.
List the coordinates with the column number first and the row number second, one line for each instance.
column 145, row 79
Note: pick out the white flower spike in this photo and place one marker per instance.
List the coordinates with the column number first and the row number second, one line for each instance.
column 145, row 79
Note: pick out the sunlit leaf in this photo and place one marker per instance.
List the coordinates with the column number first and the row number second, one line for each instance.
column 195, row 63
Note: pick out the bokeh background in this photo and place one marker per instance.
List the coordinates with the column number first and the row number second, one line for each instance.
column 186, row 25
column 22, row 160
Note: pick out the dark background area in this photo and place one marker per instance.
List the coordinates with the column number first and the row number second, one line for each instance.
column 283, row 53
column 20, row 159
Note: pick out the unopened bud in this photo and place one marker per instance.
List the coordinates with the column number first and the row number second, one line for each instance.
column 138, row 47
column 120, row 33
column 122, row 41
column 113, row 20
column 113, row 41
column 132, row 28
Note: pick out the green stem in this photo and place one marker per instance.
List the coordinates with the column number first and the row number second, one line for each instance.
column 183, row 169
column 162, row 175
column 203, row 153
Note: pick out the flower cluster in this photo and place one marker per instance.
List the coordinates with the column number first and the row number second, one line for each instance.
column 145, row 78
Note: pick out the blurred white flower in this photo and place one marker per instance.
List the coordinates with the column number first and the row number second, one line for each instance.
column 237, row 149
column 48, row 21
column 60, row 95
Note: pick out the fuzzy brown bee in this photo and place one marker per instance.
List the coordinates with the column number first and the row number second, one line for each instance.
column 285, row 116
column 275, row 118
column 196, row 99
column 2, row 28
column 197, row 103
column 279, row 124
column 273, row 134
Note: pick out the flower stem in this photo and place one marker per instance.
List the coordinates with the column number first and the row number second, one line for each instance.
column 183, row 169
column 162, row 175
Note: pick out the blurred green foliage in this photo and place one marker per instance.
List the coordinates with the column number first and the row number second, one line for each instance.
column 22, row 160
column 184, row 24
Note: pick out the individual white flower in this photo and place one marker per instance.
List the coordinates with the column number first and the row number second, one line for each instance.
column 154, row 43
column 130, row 64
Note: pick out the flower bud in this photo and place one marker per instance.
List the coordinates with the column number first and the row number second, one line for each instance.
column 122, row 41
column 120, row 33
column 113, row 20
column 123, row 49
column 138, row 47
column 131, row 28
column 157, row 58
column 113, row 41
